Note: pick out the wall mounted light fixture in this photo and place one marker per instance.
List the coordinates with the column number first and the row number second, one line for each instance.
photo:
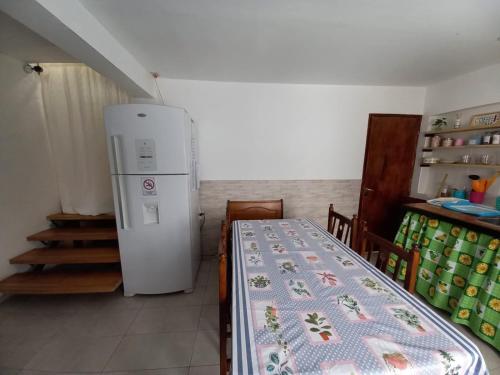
column 30, row 68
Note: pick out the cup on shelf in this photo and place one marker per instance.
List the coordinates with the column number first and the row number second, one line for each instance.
column 465, row 159
column 476, row 197
column 447, row 142
column 485, row 159
column 459, row 142
column 474, row 140
column 436, row 141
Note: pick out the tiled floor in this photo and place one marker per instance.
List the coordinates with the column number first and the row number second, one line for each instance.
column 148, row 335
column 156, row 335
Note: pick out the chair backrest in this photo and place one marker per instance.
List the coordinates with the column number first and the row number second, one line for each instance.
column 254, row 210
column 343, row 228
column 371, row 244
column 223, row 297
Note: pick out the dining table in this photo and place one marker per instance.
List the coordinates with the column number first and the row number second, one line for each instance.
column 305, row 303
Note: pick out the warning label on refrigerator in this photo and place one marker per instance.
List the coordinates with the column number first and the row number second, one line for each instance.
column 146, row 154
column 148, row 185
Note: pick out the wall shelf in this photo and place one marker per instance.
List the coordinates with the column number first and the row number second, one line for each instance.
column 489, row 166
column 462, row 130
column 428, row 149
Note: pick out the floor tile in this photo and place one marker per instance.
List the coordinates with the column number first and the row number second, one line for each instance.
column 32, row 324
column 35, row 372
column 9, row 371
column 153, row 351
column 17, row 350
column 74, row 354
column 166, row 319
column 117, row 301
column 166, row 371
column 206, row 349
column 209, row 319
column 204, row 266
column 204, row 370
column 175, row 299
column 202, row 279
column 98, row 324
column 213, row 278
column 211, row 295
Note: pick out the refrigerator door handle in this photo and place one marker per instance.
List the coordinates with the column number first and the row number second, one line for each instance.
column 122, row 203
column 117, row 159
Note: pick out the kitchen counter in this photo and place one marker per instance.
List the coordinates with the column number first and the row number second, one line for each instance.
column 455, row 217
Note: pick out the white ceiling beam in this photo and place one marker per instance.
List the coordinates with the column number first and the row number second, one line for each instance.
column 71, row 27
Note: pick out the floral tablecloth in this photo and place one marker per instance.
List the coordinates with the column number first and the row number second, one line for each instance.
column 304, row 303
column 459, row 272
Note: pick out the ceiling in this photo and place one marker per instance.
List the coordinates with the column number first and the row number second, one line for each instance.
column 17, row 41
column 383, row 42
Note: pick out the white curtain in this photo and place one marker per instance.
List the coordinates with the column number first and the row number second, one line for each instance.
column 74, row 97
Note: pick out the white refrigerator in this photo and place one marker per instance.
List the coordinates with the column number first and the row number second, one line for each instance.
column 153, row 156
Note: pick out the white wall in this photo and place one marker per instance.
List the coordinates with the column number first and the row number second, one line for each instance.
column 28, row 191
column 253, row 131
column 473, row 89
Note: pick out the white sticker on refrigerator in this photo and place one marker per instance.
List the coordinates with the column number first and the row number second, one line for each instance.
column 146, row 154
column 148, row 186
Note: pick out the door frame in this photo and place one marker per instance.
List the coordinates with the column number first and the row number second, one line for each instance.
column 368, row 133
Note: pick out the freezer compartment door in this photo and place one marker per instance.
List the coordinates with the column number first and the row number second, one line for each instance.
column 145, row 138
column 155, row 234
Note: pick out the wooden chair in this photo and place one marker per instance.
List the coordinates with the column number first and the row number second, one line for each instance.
column 371, row 244
column 343, row 228
column 224, row 308
column 253, row 210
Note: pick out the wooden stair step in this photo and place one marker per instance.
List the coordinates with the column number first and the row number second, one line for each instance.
column 71, row 255
column 62, row 282
column 76, row 217
column 75, row 234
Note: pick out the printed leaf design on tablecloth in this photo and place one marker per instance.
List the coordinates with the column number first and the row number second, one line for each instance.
column 344, row 261
column 251, row 246
column 259, row 281
column 376, row 287
column 287, row 266
column 299, row 287
column 299, row 242
column 254, row 259
column 267, row 228
column 447, row 360
column 351, row 304
column 247, row 234
column 271, row 236
column 273, row 325
column 409, row 318
column 276, row 366
column 396, row 361
column 316, row 236
column 291, row 233
column 311, row 257
column 319, row 326
column 305, row 226
column 246, row 226
column 327, row 278
column 278, row 248
column 328, row 246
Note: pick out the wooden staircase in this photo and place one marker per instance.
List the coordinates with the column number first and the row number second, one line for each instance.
column 81, row 256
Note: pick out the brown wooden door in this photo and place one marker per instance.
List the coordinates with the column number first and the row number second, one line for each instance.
column 391, row 144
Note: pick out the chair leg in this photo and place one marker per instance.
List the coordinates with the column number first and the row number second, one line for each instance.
column 223, row 342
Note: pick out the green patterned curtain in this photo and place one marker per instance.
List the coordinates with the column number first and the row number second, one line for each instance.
column 459, row 272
